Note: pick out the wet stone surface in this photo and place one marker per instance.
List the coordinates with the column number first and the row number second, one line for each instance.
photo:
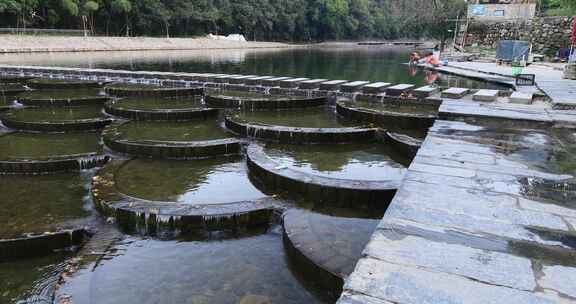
column 334, row 244
column 510, row 210
column 197, row 182
column 61, row 94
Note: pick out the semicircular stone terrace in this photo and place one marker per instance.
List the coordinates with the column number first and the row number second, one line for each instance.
column 49, row 152
column 325, row 248
column 56, row 119
column 172, row 140
column 11, row 89
column 159, row 195
column 318, row 125
column 296, row 178
column 139, row 90
column 150, row 108
column 256, row 100
column 397, row 115
column 59, row 84
column 42, row 213
column 62, row 98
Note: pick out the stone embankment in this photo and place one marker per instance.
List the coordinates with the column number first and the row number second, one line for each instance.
column 547, row 34
column 33, row 44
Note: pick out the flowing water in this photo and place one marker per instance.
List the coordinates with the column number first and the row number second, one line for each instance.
column 243, row 269
column 399, row 108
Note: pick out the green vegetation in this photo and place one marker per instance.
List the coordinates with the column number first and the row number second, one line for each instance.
column 286, row 20
column 559, row 7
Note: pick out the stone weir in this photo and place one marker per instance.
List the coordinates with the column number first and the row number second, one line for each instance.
column 116, row 109
column 115, row 140
column 41, row 244
column 63, row 102
column 252, row 103
column 59, row 84
column 54, row 164
column 12, row 120
column 151, row 217
column 485, row 214
column 387, row 116
column 354, row 194
column 120, row 91
column 295, row 135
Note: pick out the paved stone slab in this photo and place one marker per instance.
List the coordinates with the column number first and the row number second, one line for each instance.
column 312, row 83
column 560, row 279
column 399, row 89
column 455, row 93
column 349, row 298
column 375, row 88
column 332, row 85
column 402, row 284
column 426, row 91
column 486, row 95
column 292, row 83
column 521, row 98
column 481, row 265
column 354, row 86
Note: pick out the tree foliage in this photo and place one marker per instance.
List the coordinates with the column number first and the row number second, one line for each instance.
column 285, row 20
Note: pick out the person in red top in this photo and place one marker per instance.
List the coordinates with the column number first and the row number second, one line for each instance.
column 432, row 60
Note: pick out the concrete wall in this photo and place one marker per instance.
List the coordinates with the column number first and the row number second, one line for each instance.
column 547, row 34
column 500, row 12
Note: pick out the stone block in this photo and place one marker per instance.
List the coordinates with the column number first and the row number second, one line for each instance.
column 455, row 93
column 333, row 85
column 521, row 98
column 354, row 86
column 312, row 84
column 292, row 83
column 375, row 88
column 425, row 92
column 399, row 89
column 485, row 95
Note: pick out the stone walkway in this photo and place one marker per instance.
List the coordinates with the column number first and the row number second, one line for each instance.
column 486, row 214
column 548, row 79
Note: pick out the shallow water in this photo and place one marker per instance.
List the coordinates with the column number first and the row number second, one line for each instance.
column 29, row 280
column 308, row 118
column 395, row 107
column 203, row 181
column 343, row 161
column 241, row 270
column 350, row 62
column 56, row 114
column 199, row 130
column 61, row 94
column 19, row 145
column 159, row 103
column 39, row 203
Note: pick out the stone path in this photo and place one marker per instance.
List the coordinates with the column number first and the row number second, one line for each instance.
column 548, row 79
column 486, row 214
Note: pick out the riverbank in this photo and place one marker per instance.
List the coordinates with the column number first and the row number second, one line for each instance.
column 37, row 44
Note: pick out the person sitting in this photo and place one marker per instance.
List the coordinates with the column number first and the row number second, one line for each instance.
column 414, row 58
column 432, row 60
